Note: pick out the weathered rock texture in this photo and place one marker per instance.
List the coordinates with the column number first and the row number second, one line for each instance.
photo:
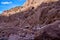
column 50, row 32
column 36, row 20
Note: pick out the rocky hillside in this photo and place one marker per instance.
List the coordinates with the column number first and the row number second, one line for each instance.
column 35, row 20
column 25, row 7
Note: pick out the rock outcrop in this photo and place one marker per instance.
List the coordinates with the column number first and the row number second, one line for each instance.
column 50, row 32
column 36, row 20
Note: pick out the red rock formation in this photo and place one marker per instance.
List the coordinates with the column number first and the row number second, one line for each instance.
column 31, row 20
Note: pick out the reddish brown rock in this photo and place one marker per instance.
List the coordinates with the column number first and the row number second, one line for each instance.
column 33, row 19
column 50, row 32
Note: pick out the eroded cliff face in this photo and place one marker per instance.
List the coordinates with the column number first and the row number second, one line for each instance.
column 36, row 20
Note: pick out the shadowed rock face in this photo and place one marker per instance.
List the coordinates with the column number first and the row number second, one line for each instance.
column 50, row 18
column 51, row 12
column 40, row 21
column 50, row 32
